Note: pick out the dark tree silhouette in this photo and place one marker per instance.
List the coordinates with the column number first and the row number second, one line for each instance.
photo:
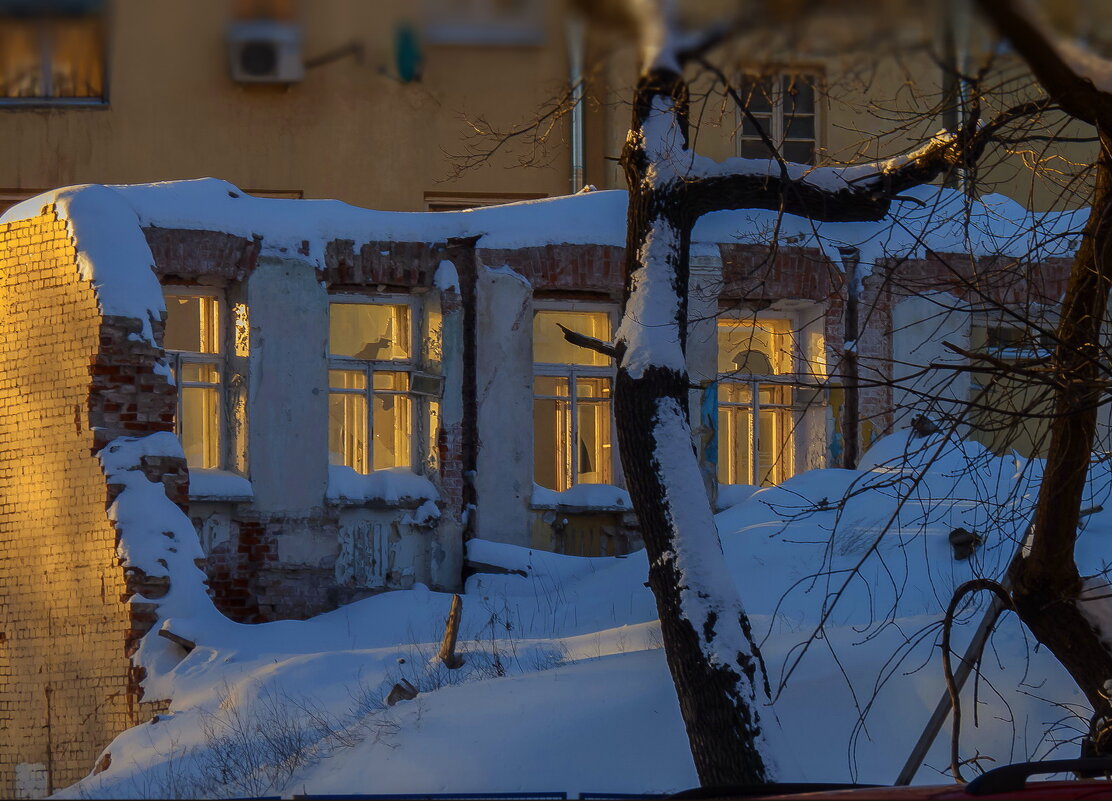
column 714, row 661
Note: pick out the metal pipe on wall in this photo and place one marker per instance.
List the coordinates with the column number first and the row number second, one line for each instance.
column 575, row 37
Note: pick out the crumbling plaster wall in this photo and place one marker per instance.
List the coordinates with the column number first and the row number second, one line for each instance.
column 288, row 388
column 290, row 552
column 504, row 395
column 66, row 630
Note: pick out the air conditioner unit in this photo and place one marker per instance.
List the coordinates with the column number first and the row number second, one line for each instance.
column 265, row 51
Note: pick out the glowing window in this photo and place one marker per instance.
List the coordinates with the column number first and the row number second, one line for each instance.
column 572, row 402
column 755, row 414
column 192, row 342
column 370, row 408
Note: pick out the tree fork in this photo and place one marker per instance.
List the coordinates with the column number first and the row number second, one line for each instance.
column 721, row 721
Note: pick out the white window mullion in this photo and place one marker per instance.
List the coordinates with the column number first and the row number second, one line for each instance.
column 573, row 411
column 755, row 433
column 369, row 383
column 179, row 380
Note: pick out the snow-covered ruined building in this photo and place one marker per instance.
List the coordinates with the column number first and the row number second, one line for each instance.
column 356, row 394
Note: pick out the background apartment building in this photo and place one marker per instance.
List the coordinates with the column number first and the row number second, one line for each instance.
column 369, row 102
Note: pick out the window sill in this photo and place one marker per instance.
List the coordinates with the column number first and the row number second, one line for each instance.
column 219, row 485
column 394, row 488
column 582, row 499
column 53, row 102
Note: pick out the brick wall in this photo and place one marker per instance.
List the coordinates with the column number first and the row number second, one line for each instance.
column 191, row 255
column 64, row 626
column 592, row 268
column 405, row 264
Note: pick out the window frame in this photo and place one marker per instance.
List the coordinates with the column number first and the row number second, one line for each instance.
column 798, row 378
column 573, row 371
column 810, row 73
column 369, row 367
column 45, row 60
column 1025, row 436
column 177, row 358
column 467, row 201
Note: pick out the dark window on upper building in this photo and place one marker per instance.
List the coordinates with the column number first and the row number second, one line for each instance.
column 784, row 106
column 52, row 50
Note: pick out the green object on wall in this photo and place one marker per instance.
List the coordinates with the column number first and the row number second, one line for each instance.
column 407, row 54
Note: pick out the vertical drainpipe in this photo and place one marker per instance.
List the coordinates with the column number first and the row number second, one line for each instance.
column 955, row 63
column 851, row 411
column 575, row 36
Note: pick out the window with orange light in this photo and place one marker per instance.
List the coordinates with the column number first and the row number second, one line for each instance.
column 572, row 400
column 193, row 347
column 755, row 400
column 370, row 404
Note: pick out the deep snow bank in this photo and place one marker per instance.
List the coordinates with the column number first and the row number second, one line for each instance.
column 845, row 574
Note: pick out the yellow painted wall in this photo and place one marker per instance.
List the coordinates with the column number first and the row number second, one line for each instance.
column 347, row 131
column 352, row 131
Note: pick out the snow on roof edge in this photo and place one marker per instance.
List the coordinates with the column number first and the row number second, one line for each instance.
column 112, row 252
column 105, row 219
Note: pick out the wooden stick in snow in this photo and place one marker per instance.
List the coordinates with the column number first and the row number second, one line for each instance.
column 447, row 653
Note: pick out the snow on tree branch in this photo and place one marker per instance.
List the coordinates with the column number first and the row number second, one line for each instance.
column 826, row 194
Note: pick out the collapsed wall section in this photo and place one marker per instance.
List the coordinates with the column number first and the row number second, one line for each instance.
column 64, row 618
column 63, row 648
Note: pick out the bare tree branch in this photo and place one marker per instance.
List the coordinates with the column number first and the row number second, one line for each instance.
column 1074, row 93
column 591, row 343
column 817, row 194
column 947, row 668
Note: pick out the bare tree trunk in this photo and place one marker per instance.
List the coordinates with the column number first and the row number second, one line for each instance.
column 711, row 654
column 1046, row 585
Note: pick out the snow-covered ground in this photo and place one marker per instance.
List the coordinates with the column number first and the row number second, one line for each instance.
column 565, row 685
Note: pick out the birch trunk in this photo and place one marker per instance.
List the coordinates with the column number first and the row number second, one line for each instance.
column 713, row 659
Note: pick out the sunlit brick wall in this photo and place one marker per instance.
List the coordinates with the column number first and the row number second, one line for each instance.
column 65, row 682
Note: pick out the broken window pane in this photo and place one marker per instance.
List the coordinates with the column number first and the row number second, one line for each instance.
column 347, row 379
column 369, row 331
column 347, row 430
column 594, row 457
column 774, row 456
column 735, row 445
column 391, row 431
column 192, row 323
column 370, row 410
column 754, row 346
column 202, row 373
column 550, row 385
column 551, row 439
